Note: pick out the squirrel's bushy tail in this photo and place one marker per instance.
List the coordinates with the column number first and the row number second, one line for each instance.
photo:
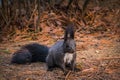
column 30, row 53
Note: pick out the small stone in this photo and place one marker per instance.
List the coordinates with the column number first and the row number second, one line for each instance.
column 96, row 51
column 118, row 40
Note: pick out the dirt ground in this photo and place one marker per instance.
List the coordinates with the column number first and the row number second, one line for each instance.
column 98, row 57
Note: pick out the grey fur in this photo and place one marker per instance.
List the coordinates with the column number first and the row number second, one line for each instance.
column 21, row 58
column 29, row 53
column 57, row 53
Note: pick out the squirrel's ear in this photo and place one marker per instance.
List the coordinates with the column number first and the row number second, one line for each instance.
column 65, row 36
column 69, row 32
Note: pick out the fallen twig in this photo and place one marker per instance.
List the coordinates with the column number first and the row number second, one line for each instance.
column 107, row 58
column 66, row 77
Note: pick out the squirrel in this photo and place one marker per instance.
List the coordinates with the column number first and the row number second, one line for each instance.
column 33, row 52
column 63, row 52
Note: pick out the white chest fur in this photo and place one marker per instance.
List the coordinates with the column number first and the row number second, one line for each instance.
column 68, row 58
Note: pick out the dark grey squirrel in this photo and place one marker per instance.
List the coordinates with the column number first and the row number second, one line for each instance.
column 33, row 52
column 63, row 52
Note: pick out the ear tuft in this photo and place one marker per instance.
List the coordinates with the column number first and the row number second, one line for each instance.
column 69, row 32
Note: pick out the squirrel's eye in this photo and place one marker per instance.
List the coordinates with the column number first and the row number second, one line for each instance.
column 67, row 46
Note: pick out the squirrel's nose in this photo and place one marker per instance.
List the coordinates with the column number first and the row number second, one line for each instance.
column 71, row 50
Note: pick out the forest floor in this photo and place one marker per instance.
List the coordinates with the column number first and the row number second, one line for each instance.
column 98, row 44
column 98, row 57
